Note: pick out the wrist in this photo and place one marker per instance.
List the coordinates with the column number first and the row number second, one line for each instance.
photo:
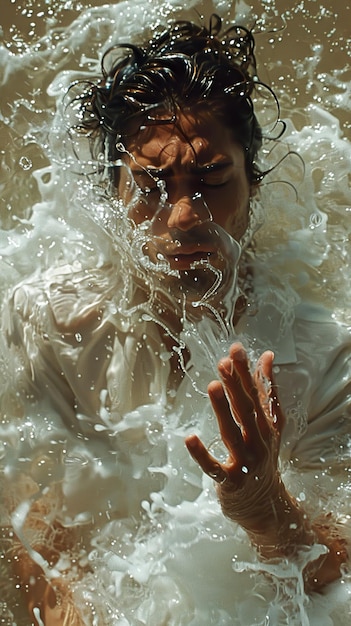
column 261, row 506
column 275, row 523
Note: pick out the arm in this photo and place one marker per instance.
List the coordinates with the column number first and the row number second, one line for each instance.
column 37, row 539
column 35, row 551
column 250, row 488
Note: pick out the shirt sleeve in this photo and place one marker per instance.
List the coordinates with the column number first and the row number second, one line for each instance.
column 33, row 372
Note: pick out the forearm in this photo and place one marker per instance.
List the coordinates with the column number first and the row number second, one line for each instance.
column 37, row 592
column 280, row 527
column 34, row 554
column 48, row 601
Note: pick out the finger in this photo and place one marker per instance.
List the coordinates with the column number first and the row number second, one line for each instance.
column 240, row 400
column 243, row 394
column 241, row 365
column 229, row 429
column 267, row 406
column 207, row 462
column 265, row 383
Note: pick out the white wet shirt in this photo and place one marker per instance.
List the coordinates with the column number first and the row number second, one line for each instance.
column 98, row 387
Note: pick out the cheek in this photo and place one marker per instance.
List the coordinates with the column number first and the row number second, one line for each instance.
column 230, row 208
column 141, row 213
column 238, row 223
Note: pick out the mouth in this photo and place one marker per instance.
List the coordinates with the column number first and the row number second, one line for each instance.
column 184, row 256
column 184, row 261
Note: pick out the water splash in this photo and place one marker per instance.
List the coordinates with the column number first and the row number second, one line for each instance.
column 50, row 206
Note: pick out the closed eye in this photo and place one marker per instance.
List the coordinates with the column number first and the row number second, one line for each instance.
column 214, row 182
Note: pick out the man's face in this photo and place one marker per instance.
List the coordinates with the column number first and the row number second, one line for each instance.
column 196, row 193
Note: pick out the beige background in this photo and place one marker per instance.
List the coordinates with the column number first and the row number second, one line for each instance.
column 308, row 23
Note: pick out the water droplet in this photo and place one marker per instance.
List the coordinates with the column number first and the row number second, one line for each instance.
column 99, row 428
column 315, row 220
column 120, row 147
column 25, row 163
column 146, row 317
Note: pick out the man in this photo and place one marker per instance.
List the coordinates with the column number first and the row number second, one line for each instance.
column 176, row 121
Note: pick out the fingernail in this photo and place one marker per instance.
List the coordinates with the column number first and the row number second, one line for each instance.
column 225, row 366
column 191, row 441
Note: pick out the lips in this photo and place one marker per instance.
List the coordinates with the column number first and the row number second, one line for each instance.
column 186, row 250
column 182, row 257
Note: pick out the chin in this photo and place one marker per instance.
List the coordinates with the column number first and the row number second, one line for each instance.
column 207, row 284
column 203, row 282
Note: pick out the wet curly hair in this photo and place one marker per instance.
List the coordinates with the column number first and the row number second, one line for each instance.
column 183, row 67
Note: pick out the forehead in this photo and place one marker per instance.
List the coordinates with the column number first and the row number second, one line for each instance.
column 197, row 138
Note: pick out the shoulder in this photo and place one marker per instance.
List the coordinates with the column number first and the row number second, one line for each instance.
column 315, row 390
column 68, row 296
column 322, row 344
column 321, row 333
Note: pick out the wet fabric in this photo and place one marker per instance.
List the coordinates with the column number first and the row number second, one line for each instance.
column 95, row 380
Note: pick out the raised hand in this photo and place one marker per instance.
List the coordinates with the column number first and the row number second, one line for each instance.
column 250, row 422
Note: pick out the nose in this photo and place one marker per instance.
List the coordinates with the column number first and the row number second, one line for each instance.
column 187, row 212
